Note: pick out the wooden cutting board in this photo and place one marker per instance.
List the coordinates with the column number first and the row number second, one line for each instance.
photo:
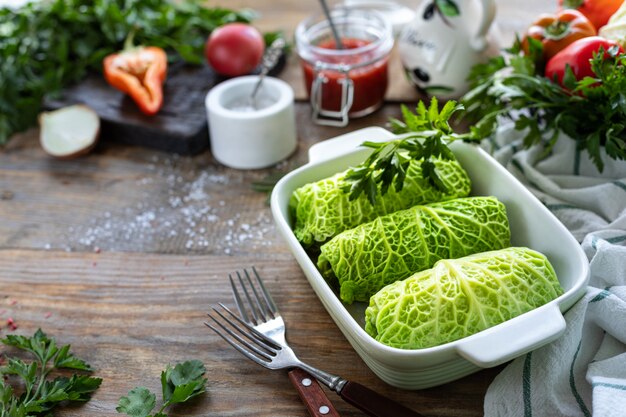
column 179, row 127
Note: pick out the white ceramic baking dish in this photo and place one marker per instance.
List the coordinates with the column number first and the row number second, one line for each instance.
column 532, row 225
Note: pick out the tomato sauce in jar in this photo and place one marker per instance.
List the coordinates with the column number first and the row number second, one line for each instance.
column 350, row 81
column 369, row 81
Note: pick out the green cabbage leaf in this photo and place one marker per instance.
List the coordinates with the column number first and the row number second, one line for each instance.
column 322, row 209
column 397, row 245
column 461, row 297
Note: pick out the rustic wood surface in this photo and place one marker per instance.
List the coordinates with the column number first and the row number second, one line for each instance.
column 121, row 253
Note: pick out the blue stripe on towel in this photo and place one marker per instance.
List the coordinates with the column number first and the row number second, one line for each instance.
column 520, row 168
column 555, row 207
column 620, row 185
column 601, row 295
column 517, row 165
column 572, row 384
column 606, row 384
column 494, row 144
column 528, row 410
column 616, row 239
column 612, row 240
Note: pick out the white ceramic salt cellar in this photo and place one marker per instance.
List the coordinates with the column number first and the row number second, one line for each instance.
column 444, row 41
column 248, row 133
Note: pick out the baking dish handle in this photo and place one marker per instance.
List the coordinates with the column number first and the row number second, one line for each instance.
column 344, row 144
column 516, row 337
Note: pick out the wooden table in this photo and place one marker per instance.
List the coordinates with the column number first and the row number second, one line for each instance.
column 121, row 253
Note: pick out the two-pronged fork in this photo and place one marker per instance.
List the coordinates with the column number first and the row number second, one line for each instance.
column 264, row 342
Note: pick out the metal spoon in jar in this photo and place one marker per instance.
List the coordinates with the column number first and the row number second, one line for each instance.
column 333, row 28
column 270, row 58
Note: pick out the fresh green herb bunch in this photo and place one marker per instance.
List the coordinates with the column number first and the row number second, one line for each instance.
column 179, row 384
column 42, row 394
column 591, row 111
column 46, row 45
column 426, row 135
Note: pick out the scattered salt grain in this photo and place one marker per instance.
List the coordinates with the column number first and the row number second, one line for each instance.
column 185, row 213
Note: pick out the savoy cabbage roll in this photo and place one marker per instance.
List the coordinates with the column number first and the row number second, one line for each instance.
column 321, row 210
column 460, row 297
column 395, row 246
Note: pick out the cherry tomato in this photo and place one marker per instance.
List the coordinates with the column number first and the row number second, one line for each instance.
column 234, row 49
column 597, row 11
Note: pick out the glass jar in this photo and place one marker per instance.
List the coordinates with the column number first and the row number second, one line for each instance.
column 348, row 82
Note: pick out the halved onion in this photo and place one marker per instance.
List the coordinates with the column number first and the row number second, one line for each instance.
column 70, row 131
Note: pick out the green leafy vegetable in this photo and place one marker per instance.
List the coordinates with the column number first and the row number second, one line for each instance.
column 322, row 210
column 42, row 394
column 179, row 384
column 46, row 45
column 591, row 111
column 427, row 135
column 397, row 245
column 460, row 297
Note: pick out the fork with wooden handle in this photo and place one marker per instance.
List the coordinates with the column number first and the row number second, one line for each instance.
column 260, row 336
column 309, row 390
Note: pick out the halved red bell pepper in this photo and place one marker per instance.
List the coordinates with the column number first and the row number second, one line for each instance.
column 138, row 71
column 578, row 56
column 556, row 31
column 597, row 11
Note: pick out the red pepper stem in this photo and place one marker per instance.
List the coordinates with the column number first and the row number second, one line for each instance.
column 130, row 40
column 573, row 4
column 557, row 30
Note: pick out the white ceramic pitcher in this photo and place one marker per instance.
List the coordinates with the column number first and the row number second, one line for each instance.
column 444, row 41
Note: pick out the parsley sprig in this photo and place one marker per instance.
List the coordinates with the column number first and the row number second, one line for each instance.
column 41, row 393
column 426, row 134
column 591, row 111
column 179, row 384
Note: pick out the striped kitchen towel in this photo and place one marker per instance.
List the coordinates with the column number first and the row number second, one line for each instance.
column 583, row 373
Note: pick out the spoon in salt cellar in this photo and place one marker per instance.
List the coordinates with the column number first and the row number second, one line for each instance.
column 269, row 61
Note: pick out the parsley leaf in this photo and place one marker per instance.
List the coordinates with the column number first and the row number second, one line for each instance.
column 591, row 111
column 138, row 403
column 425, row 135
column 179, row 384
column 42, row 394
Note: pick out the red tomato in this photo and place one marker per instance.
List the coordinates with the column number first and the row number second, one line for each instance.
column 597, row 11
column 577, row 55
column 234, row 49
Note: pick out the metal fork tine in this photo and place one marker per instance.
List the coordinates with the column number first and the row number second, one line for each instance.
column 268, row 298
column 264, row 308
column 238, row 300
column 241, row 340
column 241, row 350
column 269, row 342
column 250, row 303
